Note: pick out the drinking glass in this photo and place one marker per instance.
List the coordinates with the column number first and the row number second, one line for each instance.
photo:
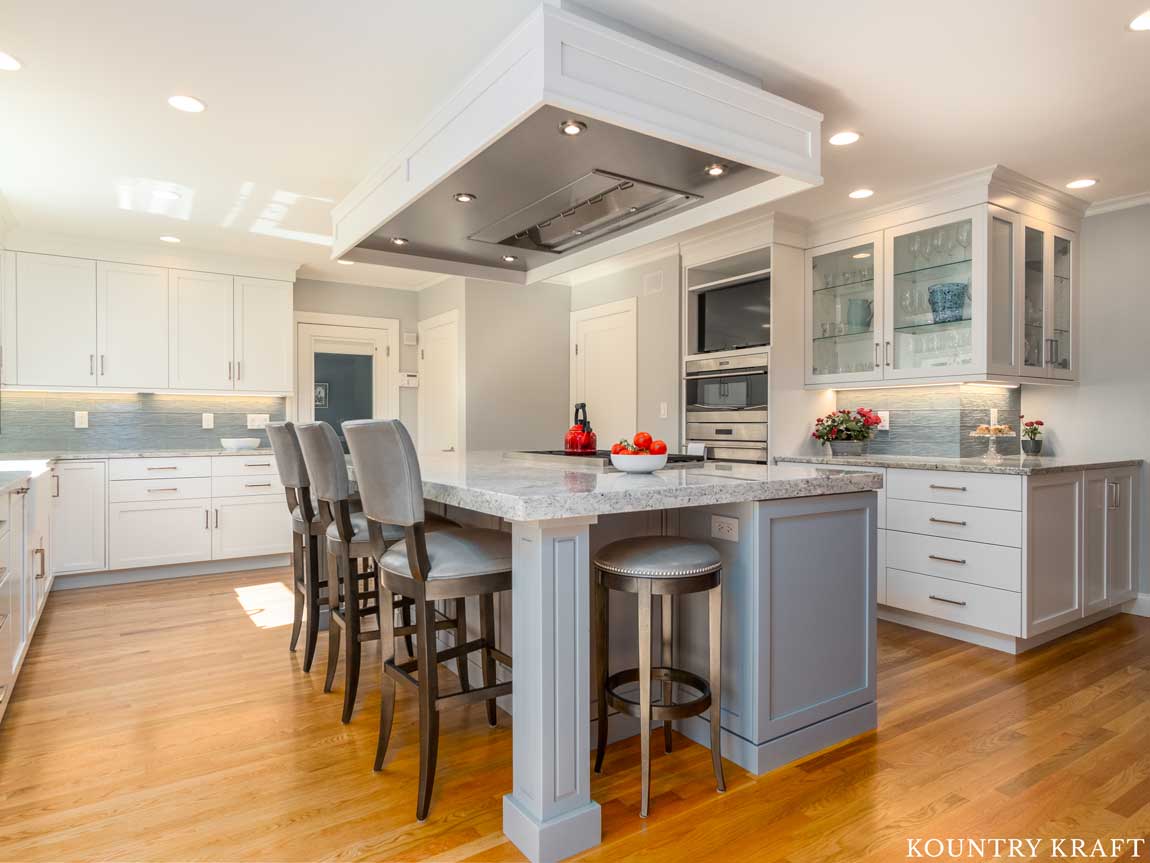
column 963, row 237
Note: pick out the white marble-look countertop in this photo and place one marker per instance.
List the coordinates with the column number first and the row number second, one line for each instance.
column 523, row 491
column 157, row 453
column 1018, row 465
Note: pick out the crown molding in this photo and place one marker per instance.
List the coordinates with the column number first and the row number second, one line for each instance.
column 1125, row 202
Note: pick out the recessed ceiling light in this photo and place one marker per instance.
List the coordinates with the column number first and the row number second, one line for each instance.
column 167, row 194
column 464, row 197
column 511, row 259
column 169, row 239
column 572, row 127
column 398, row 241
column 862, row 193
column 1084, row 183
column 841, row 139
column 189, row 104
column 8, row 63
column 1142, row 22
column 858, row 256
column 345, row 263
column 715, row 170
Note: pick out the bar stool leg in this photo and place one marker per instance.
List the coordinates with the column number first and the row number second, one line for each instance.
column 297, row 578
column 667, row 662
column 386, row 681
column 312, row 576
column 461, row 639
column 601, row 598
column 645, row 692
column 405, row 618
column 351, row 604
column 715, row 600
column 333, row 628
column 487, row 633
column 428, row 710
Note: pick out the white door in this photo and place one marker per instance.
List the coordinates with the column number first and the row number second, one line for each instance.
column 131, row 326
column 248, row 526
column 200, row 330
column 347, row 372
column 440, row 414
column 263, row 335
column 55, row 321
column 154, row 533
column 79, row 510
column 604, row 368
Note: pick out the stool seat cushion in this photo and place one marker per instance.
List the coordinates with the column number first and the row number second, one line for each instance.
column 456, row 553
column 391, row 532
column 658, row 557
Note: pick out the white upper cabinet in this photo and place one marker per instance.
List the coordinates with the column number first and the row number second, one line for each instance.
column 263, row 335
column 131, row 326
column 844, row 310
column 200, row 341
column 55, row 321
column 1049, row 302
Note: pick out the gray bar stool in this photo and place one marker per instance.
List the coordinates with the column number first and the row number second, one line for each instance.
column 425, row 566
column 666, row 567
column 352, row 591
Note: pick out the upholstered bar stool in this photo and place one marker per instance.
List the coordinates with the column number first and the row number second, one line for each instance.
column 664, row 567
column 352, row 591
column 425, row 566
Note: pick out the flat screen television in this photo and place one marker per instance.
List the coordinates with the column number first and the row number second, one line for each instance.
column 735, row 316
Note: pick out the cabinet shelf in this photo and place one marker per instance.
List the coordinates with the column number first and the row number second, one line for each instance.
column 850, row 287
column 933, row 268
column 847, row 335
column 931, row 326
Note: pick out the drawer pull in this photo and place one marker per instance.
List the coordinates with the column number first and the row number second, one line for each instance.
column 257, row 485
column 934, row 520
column 43, row 562
column 154, row 490
column 257, row 464
column 947, row 559
column 165, row 467
column 948, row 487
column 948, row 601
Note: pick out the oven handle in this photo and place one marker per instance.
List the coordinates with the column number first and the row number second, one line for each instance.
column 732, row 373
column 697, row 407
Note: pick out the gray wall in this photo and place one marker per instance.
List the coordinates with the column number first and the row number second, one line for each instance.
column 44, row 422
column 442, row 297
column 1108, row 413
column 660, row 366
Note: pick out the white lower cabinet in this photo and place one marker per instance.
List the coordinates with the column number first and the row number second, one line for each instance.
column 250, row 526
column 155, row 533
column 79, row 510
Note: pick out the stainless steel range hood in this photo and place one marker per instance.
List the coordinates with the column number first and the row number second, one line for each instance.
column 572, row 142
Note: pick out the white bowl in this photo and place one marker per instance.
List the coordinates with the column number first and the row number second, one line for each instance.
column 238, row 443
column 639, row 463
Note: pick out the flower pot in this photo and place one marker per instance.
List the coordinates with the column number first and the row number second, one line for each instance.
column 848, row 447
column 1032, row 447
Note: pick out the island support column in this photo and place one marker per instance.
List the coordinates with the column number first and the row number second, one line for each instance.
column 549, row 814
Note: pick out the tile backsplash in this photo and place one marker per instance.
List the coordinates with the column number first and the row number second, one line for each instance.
column 937, row 421
column 43, row 422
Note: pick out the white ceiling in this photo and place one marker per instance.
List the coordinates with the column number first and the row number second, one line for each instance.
column 304, row 97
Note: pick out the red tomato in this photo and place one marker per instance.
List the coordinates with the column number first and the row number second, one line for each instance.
column 642, row 441
column 658, row 447
column 616, row 448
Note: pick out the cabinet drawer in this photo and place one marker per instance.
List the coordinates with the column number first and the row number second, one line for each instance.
column 129, row 490
column 970, row 604
column 966, row 489
column 240, row 486
column 253, row 464
column 973, row 562
column 973, row 523
column 154, row 468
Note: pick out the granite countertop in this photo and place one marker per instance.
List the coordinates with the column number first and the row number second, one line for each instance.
column 1017, row 465
column 158, row 453
column 521, row 491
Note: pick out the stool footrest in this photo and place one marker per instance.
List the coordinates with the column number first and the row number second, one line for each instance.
column 680, row 710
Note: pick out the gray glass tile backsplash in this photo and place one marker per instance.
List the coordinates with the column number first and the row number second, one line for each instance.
column 937, row 421
column 41, row 422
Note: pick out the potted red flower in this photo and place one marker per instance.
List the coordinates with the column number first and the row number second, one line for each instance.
column 847, row 432
column 1032, row 436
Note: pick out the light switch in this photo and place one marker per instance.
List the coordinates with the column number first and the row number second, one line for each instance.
column 207, row 421
column 81, row 419
column 258, row 421
column 662, row 410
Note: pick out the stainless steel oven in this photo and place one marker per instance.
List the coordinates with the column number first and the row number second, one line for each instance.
column 727, row 405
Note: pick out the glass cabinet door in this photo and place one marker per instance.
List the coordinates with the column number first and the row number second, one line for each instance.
column 1034, row 337
column 1061, row 359
column 844, row 314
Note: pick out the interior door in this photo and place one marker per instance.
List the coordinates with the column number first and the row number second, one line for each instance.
column 132, row 326
column 55, row 321
column 344, row 374
column 440, row 417
column 263, row 335
column 604, row 368
column 200, row 330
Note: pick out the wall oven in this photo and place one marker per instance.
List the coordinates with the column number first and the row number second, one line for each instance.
column 726, row 406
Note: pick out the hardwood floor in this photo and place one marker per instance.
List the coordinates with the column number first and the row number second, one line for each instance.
column 166, row 721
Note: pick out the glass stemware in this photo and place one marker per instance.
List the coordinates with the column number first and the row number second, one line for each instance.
column 962, row 234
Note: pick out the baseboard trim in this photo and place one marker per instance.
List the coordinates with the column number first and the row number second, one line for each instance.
column 71, row 581
column 1140, row 605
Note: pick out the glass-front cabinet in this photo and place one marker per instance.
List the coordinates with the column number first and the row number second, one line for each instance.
column 845, row 311
column 1048, row 301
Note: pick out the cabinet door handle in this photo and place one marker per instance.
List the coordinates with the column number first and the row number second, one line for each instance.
column 43, row 562
column 101, row 364
column 217, row 522
column 229, row 370
column 877, row 358
column 207, row 520
column 947, row 559
column 934, row 520
column 889, row 352
column 91, row 364
column 1115, row 494
column 155, row 490
column 948, row 601
column 239, row 369
column 56, row 486
column 257, row 485
column 948, row 487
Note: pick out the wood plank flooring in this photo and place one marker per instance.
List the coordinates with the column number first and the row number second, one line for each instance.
column 167, row 722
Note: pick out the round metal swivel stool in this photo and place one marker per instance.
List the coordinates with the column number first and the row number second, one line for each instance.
column 663, row 566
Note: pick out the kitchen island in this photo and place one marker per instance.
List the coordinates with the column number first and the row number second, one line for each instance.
column 798, row 612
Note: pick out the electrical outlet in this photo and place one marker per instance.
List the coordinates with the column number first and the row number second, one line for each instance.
column 258, row 421
column 725, row 527
column 885, row 417
column 207, row 421
column 81, row 419
column 662, row 410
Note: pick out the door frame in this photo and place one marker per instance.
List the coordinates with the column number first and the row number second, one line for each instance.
column 451, row 316
column 629, row 304
column 391, row 326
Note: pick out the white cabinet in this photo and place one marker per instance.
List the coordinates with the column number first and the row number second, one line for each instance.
column 1110, row 551
column 263, row 335
column 200, row 331
column 844, row 311
column 156, row 533
column 1049, row 302
column 131, row 326
column 38, row 541
column 55, row 321
column 1054, row 540
column 249, row 526
column 79, row 509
